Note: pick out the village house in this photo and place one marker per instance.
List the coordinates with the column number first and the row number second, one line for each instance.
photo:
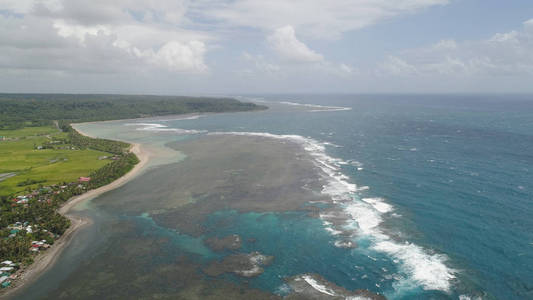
column 84, row 179
column 5, row 273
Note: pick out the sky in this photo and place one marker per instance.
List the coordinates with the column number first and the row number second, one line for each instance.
column 229, row 47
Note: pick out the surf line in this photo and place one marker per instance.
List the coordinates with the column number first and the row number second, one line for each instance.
column 363, row 217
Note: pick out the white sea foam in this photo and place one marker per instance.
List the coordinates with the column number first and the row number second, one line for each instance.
column 193, row 117
column 354, row 163
column 317, row 286
column 283, row 289
column 313, row 107
column 147, row 125
column 424, row 269
column 379, row 204
column 332, row 145
column 421, row 267
column 161, row 127
column 316, row 107
column 249, row 273
column 332, row 231
column 465, row 297
column 344, row 244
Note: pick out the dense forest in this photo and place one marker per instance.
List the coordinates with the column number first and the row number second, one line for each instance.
column 20, row 110
column 82, row 141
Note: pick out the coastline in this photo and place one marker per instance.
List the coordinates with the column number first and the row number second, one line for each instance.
column 46, row 259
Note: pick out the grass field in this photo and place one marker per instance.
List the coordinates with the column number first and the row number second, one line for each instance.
column 18, row 155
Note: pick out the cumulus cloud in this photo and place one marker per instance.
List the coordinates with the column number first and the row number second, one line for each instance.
column 289, row 48
column 509, row 53
column 111, row 12
column 78, row 31
column 99, row 36
column 313, row 18
column 261, row 65
column 176, row 35
column 177, row 56
column 167, row 37
column 291, row 59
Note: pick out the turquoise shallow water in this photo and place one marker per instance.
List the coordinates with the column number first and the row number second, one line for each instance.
column 300, row 245
column 444, row 188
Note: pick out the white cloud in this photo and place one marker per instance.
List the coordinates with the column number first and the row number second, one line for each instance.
column 290, row 49
column 345, row 68
column 446, row 44
column 312, row 18
column 177, row 56
column 111, row 12
column 396, row 66
column 155, row 38
column 505, row 37
column 176, row 35
column 79, row 31
column 17, row 6
column 99, row 36
column 261, row 64
column 503, row 54
column 294, row 57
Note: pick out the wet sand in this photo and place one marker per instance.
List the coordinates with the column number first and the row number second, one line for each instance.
column 46, row 259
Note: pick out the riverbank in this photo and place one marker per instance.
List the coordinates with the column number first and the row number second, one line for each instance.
column 46, row 259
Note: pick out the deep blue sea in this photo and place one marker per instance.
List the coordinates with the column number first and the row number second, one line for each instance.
column 448, row 177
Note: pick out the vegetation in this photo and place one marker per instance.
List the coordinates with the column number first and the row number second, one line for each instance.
column 23, row 110
column 33, row 218
column 30, row 182
column 84, row 142
column 57, row 161
column 30, row 122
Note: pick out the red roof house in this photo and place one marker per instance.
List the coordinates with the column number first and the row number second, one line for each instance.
column 85, row 179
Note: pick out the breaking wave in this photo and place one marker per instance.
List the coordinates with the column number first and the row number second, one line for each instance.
column 313, row 107
column 316, row 107
column 317, row 286
column 362, row 218
column 193, row 117
column 161, row 127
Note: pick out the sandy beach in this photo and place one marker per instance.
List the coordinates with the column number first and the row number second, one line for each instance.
column 47, row 258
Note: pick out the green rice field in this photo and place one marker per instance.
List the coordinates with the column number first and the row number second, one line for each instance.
column 24, row 166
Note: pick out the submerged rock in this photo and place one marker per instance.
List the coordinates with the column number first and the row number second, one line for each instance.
column 314, row 286
column 245, row 265
column 230, row 242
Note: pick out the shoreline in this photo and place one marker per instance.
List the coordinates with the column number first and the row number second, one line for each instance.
column 164, row 118
column 46, row 259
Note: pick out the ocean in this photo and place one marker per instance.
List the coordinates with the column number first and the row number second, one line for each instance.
column 427, row 197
